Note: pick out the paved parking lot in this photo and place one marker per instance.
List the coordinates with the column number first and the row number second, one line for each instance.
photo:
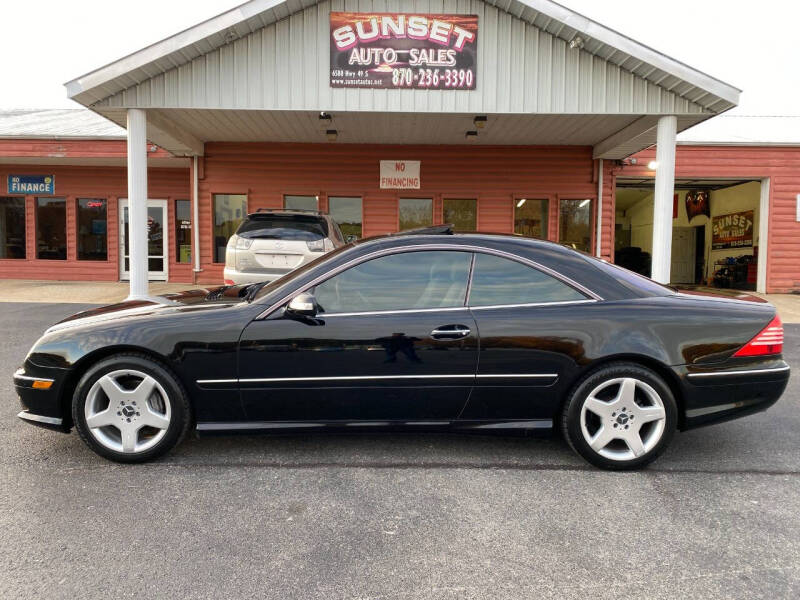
column 396, row 516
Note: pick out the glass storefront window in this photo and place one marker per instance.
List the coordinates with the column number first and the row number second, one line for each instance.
column 183, row 231
column 575, row 224
column 461, row 212
column 51, row 228
column 12, row 227
column 229, row 211
column 92, row 229
column 530, row 218
column 346, row 212
column 415, row 213
column 301, row 202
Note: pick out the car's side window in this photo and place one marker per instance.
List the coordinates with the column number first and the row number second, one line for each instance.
column 409, row 280
column 497, row 281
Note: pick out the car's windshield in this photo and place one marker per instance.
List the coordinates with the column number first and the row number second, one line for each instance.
column 289, row 227
column 299, row 272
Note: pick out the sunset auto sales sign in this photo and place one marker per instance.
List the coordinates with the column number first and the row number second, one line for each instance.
column 403, row 51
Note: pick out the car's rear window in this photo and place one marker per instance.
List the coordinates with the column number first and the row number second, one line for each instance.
column 280, row 227
column 630, row 279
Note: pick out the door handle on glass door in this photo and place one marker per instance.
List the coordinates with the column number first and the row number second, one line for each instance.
column 450, row 332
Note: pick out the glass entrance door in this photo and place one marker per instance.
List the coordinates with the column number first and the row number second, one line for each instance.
column 157, row 240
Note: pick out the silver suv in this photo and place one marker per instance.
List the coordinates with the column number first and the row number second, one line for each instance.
column 270, row 243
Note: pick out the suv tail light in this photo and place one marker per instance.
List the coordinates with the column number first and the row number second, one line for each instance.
column 768, row 341
column 320, row 245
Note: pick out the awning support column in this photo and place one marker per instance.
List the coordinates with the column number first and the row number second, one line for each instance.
column 662, row 204
column 137, row 202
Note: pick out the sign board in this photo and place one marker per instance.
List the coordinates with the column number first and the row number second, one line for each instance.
column 32, row 184
column 403, row 51
column 400, row 175
column 732, row 231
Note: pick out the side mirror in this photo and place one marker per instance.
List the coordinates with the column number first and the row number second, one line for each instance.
column 303, row 304
column 351, row 238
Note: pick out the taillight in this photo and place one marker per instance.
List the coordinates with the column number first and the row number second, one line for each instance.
column 768, row 341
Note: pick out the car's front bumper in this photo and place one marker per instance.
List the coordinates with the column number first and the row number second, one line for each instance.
column 39, row 393
column 714, row 395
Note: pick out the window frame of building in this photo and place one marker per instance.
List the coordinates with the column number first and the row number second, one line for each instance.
column 19, row 203
column 408, row 198
column 80, row 253
column 446, row 199
column 341, row 225
column 38, row 200
column 214, row 246
column 529, row 200
column 295, row 196
column 180, row 229
column 592, row 219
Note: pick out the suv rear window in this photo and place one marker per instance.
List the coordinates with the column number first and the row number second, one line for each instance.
column 283, row 227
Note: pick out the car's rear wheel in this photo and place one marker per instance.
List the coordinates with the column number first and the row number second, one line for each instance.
column 620, row 416
column 130, row 408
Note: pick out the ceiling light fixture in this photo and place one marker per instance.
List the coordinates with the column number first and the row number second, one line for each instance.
column 331, row 134
column 325, row 120
column 652, row 165
column 471, row 136
column 521, row 202
column 480, row 121
column 577, row 42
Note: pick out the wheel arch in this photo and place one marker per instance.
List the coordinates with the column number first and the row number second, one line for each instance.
column 661, row 369
column 88, row 360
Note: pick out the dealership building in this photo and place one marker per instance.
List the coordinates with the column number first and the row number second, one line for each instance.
column 515, row 117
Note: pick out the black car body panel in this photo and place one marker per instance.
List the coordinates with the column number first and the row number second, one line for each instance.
column 254, row 365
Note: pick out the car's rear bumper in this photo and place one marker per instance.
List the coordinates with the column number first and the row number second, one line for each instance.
column 723, row 393
column 40, row 406
column 248, row 277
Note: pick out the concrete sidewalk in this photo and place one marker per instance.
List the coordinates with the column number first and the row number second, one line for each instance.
column 109, row 292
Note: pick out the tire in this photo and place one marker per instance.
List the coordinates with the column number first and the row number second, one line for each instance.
column 130, row 408
column 602, row 424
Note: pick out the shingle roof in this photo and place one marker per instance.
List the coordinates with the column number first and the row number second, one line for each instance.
column 58, row 124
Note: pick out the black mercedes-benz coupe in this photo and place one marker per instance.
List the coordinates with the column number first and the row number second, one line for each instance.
column 424, row 330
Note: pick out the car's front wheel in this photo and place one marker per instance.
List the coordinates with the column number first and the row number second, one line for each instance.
column 129, row 408
column 620, row 416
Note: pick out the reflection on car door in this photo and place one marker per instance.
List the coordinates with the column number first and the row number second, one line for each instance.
column 392, row 341
column 531, row 341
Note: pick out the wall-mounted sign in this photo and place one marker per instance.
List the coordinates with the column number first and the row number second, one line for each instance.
column 698, row 202
column 400, row 175
column 732, row 231
column 31, row 184
column 391, row 50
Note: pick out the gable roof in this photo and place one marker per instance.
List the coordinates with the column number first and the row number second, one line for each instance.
column 561, row 22
column 58, row 124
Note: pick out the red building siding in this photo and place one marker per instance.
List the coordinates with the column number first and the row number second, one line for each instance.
column 781, row 165
column 492, row 175
column 73, row 182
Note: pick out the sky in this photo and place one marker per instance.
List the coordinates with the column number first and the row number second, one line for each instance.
column 46, row 43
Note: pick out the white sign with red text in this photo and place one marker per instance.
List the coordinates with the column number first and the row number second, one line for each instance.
column 400, row 175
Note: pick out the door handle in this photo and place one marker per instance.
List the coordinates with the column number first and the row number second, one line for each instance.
column 450, row 332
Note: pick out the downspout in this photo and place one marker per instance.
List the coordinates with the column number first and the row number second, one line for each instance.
column 599, row 234
column 195, row 217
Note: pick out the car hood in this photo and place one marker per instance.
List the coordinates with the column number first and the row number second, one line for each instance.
column 220, row 296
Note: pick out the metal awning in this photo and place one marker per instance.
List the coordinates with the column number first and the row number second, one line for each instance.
column 208, row 83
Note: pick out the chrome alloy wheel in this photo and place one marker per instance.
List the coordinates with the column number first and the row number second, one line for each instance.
column 623, row 419
column 127, row 411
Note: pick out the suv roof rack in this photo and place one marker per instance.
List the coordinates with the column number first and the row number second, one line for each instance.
column 445, row 229
column 305, row 211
